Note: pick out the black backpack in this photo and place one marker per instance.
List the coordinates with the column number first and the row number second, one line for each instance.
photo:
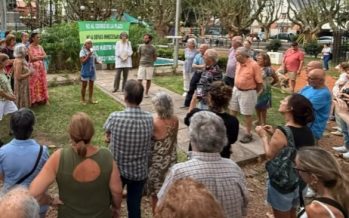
column 282, row 175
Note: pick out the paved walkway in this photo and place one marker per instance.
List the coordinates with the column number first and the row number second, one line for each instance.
column 242, row 153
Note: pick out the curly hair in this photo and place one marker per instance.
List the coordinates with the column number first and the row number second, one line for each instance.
column 219, row 96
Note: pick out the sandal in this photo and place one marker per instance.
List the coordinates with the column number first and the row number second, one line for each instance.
column 93, row 102
column 83, row 102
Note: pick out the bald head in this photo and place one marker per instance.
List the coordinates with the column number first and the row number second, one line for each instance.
column 236, row 41
column 316, row 78
column 203, row 48
column 312, row 65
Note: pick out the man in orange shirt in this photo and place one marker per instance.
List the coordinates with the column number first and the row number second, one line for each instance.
column 292, row 64
column 248, row 82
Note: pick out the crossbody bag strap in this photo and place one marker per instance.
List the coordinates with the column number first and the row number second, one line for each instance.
column 333, row 203
column 32, row 171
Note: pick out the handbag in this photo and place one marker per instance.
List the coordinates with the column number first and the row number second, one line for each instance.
column 32, row 171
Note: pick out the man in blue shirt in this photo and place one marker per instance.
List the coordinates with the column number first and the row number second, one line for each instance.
column 320, row 97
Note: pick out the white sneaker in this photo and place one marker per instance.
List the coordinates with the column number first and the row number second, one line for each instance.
column 346, row 155
column 184, row 94
column 341, row 149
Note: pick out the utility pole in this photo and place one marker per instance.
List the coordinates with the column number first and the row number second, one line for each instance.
column 3, row 15
column 176, row 48
column 51, row 13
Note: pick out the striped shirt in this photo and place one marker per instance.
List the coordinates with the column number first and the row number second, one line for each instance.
column 131, row 132
column 221, row 176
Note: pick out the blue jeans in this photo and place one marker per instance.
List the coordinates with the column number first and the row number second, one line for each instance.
column 345, row 129
column 326, row 59
column 134, row 196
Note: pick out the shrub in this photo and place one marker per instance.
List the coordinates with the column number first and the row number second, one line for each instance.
column 312, row 48
column 274, row 45
column 61, row 43
column 222, row 62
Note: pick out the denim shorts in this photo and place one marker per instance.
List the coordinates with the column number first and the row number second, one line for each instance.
column 282, row 202
column 88, row 78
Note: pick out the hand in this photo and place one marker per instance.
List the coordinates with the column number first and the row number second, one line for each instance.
column 90, row 53
column 12, row 97
column 261, row 131
column 341, row 106
column 107, row 138
column 56, row 201
column 269, row 129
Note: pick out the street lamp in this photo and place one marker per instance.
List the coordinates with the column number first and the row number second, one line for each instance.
column 82, row 9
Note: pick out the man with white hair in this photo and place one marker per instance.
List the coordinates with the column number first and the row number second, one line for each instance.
column 211, row 73
column 236, row 42
column 221, row 176
column 18, row 203
column 248, row 82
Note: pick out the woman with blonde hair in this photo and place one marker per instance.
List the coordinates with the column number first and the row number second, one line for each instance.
column 22, row 73
column 88, row 61
column 164, row 143
column 319, row 169
column 87, row 177
column 188, row 198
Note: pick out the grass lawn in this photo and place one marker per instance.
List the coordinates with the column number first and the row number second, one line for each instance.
column 52, row 121
column 175, row 84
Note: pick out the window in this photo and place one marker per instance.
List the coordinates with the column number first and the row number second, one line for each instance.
column 11, row 5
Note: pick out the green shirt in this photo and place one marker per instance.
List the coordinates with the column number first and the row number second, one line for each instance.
column 84, row 199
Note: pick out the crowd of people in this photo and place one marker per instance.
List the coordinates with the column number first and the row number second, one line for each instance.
column 142, row 151
column 23, row 80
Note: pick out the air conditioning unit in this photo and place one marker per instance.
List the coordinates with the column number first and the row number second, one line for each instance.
column 275, row 57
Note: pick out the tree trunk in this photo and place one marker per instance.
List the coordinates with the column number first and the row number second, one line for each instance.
column 266, row 33
column 161, row 29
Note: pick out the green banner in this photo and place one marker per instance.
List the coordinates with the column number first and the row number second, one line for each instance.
column 104, row 35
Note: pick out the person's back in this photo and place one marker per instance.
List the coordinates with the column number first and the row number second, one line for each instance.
column 221, row 176
column 321, row 102
column 84, row 198
column 131, row 132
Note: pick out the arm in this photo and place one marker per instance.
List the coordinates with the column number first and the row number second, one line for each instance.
column 45, row 178
column 193, row 102
column 129, row 49
column 117, row 53
column 259, row 88
column 18, row 67
column 116, row 190
column 7, row 96
column 154, row 55
column 301, row 63
column 84, row 57
column 342, row 109
column 275, row 144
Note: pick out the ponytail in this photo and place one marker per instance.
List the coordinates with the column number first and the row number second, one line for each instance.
column 341, row 190
column 81, row 148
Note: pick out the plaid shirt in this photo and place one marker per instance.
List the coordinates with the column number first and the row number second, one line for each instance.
column 131, row 132
column 221, row 176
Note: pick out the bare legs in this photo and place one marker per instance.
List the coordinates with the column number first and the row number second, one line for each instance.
column 292, row 85
column 288, row 214
column 262, row 116
column 90, row 92
column 147, row 86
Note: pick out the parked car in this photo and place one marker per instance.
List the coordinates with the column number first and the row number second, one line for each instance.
column 284, row 36
column 325, row 40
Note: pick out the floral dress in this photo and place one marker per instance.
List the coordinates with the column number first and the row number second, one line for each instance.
column 21, row 88
column 164, row 155
column 37, row 82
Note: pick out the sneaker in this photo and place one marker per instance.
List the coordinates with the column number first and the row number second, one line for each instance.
column 341, row 149
column 183, row 107
column 184, row 94
column 114, row 90
column 246, row 139
column 337, row 133
column 146, row 96
column 346, row 155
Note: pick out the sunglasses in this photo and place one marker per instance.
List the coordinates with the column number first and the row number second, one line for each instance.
column 300, row 170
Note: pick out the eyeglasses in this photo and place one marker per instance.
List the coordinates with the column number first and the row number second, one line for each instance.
column 299, row 170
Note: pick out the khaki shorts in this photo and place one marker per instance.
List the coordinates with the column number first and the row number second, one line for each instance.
column 145, row 73
column 244, row 101
column 292, row 75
